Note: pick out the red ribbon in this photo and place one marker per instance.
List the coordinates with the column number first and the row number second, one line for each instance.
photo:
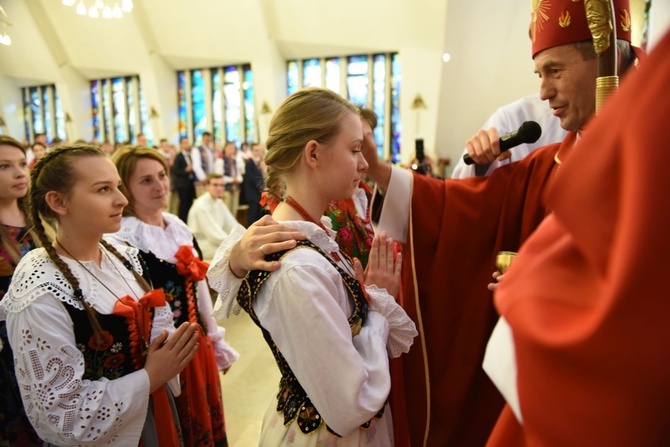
column 139, row 310
column 189, row 265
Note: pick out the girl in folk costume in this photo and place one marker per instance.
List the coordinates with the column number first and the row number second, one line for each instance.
column 17, row 239
column 90, row 338
column 166, row 245
column 330, row 334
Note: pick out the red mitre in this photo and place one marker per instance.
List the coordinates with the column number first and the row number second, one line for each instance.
column 559, row 22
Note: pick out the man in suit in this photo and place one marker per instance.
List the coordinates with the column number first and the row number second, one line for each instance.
column 253, row 183
column 181, row 174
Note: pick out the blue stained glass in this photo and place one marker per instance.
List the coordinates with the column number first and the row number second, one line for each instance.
column 46, row 109
column 233, row 106
column 60, row 117
column 333, row 74
column 181, row 101
column 108, row 115
column 95, row 111
column 311, row 73
column 198, row 104
column 26, row 114
column 357, row 79
column 249, row 110
column 35, row 107
column 396, row 125
column 292, row 85
column 379, row 99
column 145, row 119
column 132, row 112
column 217, row 105
column 119, row 107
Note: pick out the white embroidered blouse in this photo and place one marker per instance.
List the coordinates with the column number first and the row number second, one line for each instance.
column 64, row 408
column 305, row 306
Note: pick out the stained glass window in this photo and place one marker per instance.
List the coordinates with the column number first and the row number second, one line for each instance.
column 333, row 74
column 198, row 104
column 95, row 108
column 119, row 110
column 182, row 104
column 42, row 112
column 27, row 119
column 145, row 118
column 379, row 99
column 132, row 112
column 231, row 93
column 108, row 116
column 370, row 80
column 249, row 110
column 292, row 75
column 357, row 79
column 217, row 105
column 311, row 73
column 231, row 96
column 60, row 117
column 396, row 126
column 47, row 95
column 36, row 109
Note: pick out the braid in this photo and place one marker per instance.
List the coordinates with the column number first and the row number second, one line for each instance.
column 140, row 279
column 275, row 185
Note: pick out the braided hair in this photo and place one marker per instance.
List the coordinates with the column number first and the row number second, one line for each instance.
column 55, row 172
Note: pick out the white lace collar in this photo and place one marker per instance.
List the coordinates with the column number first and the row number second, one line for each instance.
column 163, row 243
column 316, row 235
column 37, row 275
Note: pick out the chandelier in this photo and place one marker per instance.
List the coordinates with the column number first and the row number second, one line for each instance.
column 101, row 8
column 4, row 23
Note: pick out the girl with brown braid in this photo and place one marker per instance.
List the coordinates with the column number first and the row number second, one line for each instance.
column 93, row 354
column 166, row 246
column 16, row 239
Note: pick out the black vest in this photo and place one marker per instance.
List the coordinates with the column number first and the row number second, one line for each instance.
column 292, row 399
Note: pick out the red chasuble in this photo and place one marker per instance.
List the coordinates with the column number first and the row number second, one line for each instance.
column 456, row 229
column 587, row 298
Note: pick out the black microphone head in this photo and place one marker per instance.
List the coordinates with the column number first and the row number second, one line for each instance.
column 530, row 131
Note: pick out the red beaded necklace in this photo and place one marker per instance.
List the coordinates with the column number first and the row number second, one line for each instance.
column 290, row 201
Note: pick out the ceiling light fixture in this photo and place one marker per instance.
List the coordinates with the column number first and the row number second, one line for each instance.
column 101, row 8
column 4, row 23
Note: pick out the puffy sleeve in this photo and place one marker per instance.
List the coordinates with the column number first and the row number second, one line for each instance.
column 64, row 408
column 347, row 378
column 224, row 354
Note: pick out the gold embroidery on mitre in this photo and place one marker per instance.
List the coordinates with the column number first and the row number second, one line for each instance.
column 625, row 20
column 564, row 19
column 540, row 17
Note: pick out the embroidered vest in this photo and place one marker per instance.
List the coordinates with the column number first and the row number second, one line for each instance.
column 292, row 399
column 112, row 358
column 164, row 275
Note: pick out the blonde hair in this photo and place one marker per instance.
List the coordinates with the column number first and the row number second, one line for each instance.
column 309, row 114
column 125, row 160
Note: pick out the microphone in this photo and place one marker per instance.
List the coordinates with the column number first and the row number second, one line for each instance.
column 528, row 132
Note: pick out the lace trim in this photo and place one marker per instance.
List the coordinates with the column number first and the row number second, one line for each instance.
column 222, row 280
column 36, row 275
column 402, row 329
column 55, row 396
column 163, row 243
